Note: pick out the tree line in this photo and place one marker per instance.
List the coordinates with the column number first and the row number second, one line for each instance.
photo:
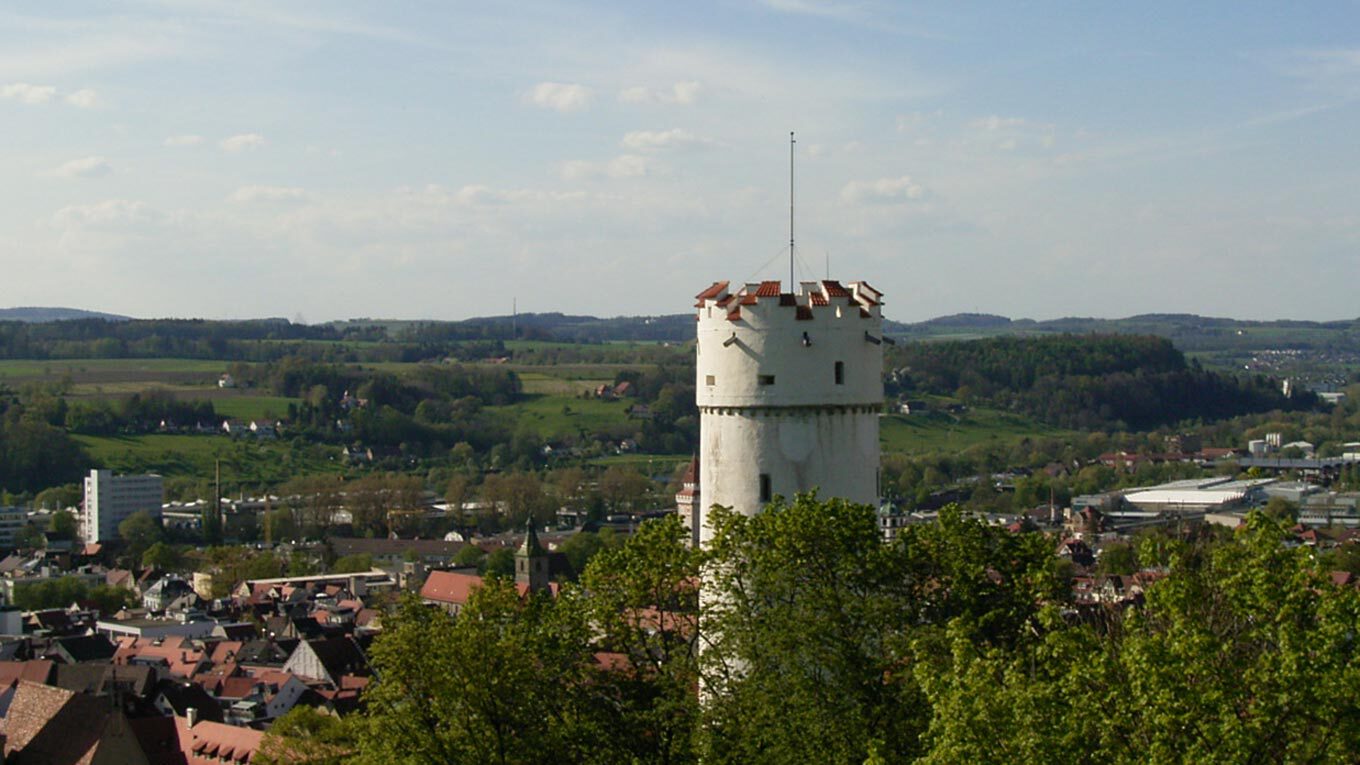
column 815, row 641
column 1088, row 382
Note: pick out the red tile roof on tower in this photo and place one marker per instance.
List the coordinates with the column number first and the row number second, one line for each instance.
column 768, row 289
column 691, row 472
column 712, row 292
column 834, row 289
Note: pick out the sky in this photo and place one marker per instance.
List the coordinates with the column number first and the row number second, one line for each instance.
column 417, row 160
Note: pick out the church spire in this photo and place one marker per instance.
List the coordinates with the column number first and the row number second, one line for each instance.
column 531, row 561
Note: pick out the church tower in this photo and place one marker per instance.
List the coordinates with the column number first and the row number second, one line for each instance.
column 789, row 389
column 531, row 562
column 687, row 502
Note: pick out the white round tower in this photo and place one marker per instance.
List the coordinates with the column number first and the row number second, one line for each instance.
column 789, row 390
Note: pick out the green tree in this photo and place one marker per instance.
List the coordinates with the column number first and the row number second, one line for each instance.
column 499, row 563
column 496, row 685
column 469, row 555
column 64, row 525
column 641, row 599
column 307, row 735
column 163, row 556
column 803, row 604
column 350, row 564
column 30, row 537
column 1117, row 558
column 140, row 531
column 1244, row 653
column 581, row 547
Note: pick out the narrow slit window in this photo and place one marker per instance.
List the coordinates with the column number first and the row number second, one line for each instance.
column 840, row 372
column 710, row 380
column 766, row 492
column 765, row 379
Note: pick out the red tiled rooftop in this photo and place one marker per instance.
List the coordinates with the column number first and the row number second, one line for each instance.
column 449, row 586
column 712, row 291
column 208, row 740
column 833, row 288
column 768, row 289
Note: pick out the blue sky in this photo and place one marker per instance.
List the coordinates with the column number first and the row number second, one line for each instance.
column 439, row 160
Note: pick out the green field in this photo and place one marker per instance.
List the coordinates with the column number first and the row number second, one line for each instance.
column 249, row 407
column 95, row 371
column 553, row 417
column 268, row 462
column 939, row 431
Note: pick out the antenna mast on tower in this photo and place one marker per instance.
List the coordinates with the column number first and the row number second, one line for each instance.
column 791, row 281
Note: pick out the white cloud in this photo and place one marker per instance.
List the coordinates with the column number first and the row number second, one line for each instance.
column 561, row 96
column 653, row 140
column 820, row 8
column 83, row 98
column 249, row 194
column 241, row 142
column 908, row 122
column 635, row 95
column 184, row 140
column 1011, row 133
column 682, row 93
column 106, row 214
column 622, row 166
column 883, row 190
column 85, row 167
column 29, row 94
column 995, row 123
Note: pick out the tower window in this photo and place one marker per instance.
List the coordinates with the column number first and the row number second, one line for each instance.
column 765, row 379
column 840, row 372
column 710, row 380
column 766, row 493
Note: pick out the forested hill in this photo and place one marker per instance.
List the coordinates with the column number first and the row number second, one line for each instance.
column 38, row 314
column 1115, row 382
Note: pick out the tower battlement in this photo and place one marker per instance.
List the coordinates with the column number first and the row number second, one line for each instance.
column 759, row 347
column 811, row 295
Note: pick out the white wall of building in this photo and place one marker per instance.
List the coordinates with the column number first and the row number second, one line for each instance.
column 110, row 499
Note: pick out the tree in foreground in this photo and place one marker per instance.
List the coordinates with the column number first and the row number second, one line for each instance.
column 1244, row 653
column 494, row 685
column 812, row 625
column 821, row 643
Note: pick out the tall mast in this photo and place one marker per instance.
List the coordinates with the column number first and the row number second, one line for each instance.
column 791, row 281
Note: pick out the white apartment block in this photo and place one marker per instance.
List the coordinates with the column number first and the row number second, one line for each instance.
column 109, row 499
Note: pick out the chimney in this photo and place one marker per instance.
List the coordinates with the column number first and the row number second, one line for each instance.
column 191, row 716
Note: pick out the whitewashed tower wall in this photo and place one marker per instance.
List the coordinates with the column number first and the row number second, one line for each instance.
column 789, row 390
